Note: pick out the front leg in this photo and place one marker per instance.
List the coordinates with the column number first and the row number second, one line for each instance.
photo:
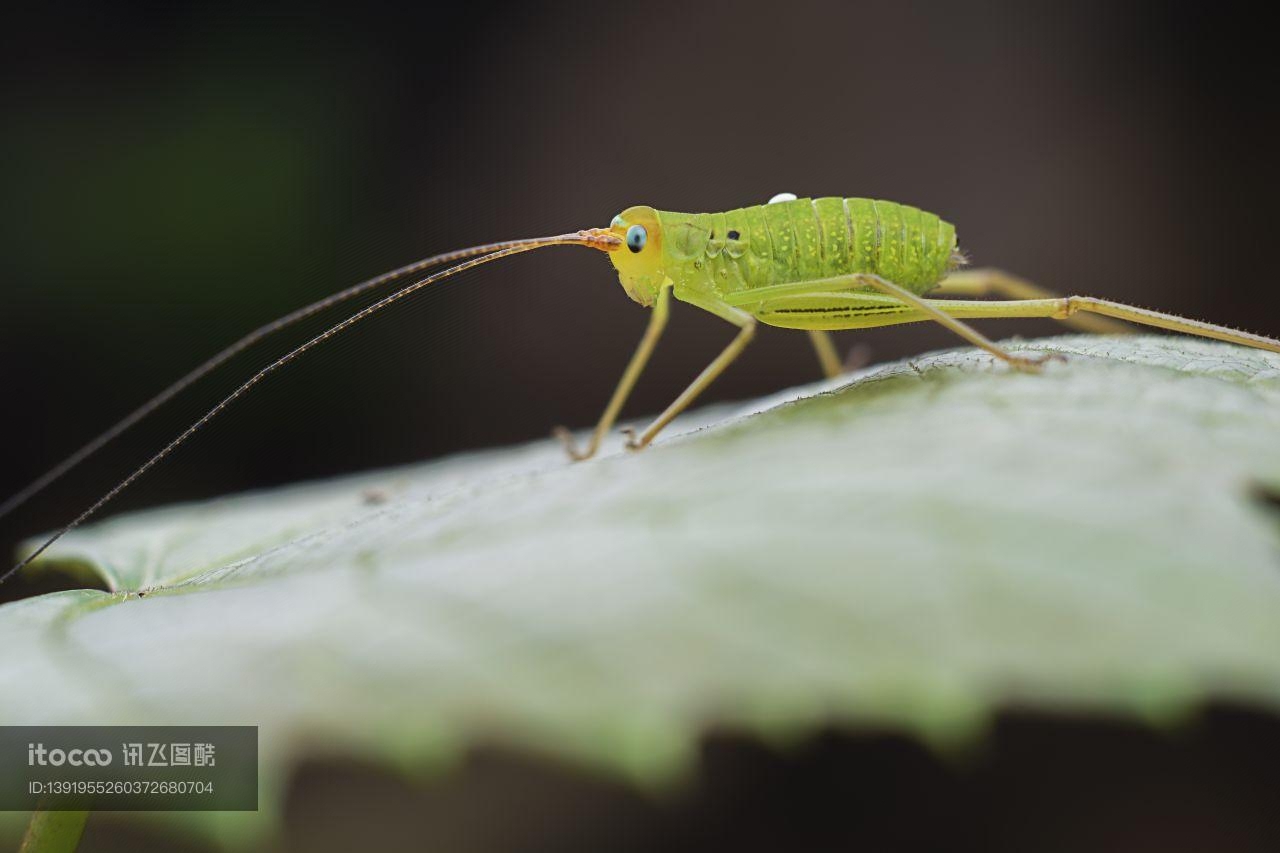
column 634, row 368
column 747, row 329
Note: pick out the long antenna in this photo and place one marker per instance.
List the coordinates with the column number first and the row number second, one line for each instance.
column 53, row 474
column 596, row 238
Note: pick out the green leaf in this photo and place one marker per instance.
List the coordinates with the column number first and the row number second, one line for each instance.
column 915, row 546
column 53, row 832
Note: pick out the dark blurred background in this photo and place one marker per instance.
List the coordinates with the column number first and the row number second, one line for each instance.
column 174, row 177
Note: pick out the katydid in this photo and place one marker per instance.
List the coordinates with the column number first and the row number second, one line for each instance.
column 814, row 264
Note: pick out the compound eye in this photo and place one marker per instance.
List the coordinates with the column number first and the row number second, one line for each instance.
column 636, row 237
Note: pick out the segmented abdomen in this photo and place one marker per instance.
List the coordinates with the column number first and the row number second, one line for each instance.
column 808, row 239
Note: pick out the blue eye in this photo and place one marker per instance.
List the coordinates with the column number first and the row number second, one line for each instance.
column 636, row 235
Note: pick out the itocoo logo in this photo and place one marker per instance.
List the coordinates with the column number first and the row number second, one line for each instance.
column 37, row 755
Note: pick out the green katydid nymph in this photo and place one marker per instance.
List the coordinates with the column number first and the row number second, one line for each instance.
column 814, row 264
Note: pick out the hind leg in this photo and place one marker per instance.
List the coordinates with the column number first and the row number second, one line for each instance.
column 979, row 283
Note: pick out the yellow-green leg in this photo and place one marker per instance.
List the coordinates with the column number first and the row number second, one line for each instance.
column 746, row 331
column 828, row 357
column 936, row 309
column 1064, row 307
column 657, row 322
column 980, row 283
column 845, row 309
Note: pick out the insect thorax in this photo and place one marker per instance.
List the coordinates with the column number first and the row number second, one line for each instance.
column 804, row 240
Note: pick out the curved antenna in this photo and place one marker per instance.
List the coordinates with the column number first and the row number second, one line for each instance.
column 55, row 473
column 596, row 238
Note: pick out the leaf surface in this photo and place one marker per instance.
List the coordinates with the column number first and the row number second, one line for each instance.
column 915, row 546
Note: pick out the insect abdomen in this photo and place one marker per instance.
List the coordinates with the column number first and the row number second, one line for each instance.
column 809, row 239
